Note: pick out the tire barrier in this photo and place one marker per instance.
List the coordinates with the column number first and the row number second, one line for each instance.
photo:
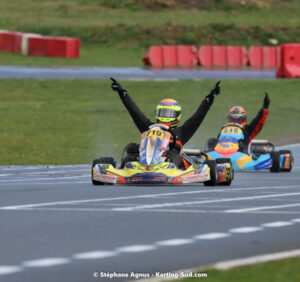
column 212, row 56
column 38, row 45
column 290, row 61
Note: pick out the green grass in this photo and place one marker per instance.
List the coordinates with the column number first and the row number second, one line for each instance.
column 90, row 55
column 286, row 270
column 123, row 27
column 119, row 33
column 74, row 121
column 77, row 13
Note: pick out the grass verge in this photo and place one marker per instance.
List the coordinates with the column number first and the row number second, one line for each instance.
column 117, row 25
column 91, row 55
column 75, row 121
column 286, row 270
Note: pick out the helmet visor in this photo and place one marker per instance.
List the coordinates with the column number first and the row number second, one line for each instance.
column 239, row 120
column 168, row 113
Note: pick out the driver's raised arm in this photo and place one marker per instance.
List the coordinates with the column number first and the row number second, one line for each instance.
column 192, row 124
column 258, row 122
column 140, row 120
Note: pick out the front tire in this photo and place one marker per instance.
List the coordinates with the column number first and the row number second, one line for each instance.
column 103, row 160
column 213, row 173
column 229, row 172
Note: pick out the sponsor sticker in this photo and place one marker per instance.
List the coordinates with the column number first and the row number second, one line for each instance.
column 195, row 178
column 105, row 178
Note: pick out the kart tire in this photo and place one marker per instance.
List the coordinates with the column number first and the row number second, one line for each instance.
column 132, row 148
column 231, row 172
column 213, row 173
column 103, row 160
column 211, row 144
column 291, row 164
column 275, row 156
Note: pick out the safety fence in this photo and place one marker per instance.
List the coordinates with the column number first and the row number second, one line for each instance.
column 39, row 45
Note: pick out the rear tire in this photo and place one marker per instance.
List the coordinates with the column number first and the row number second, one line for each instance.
column 103, row 160
column 275, row 156
column 211, row 144
column 229, row 173
column 291, row 164
column 213, row 173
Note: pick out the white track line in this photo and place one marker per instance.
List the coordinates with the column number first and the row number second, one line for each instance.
column 46, row 262
column 173, row 242
column 95, row 255
column 277, row 224
column 136, row 248
column 247, row 229
column 39, row 179
column 46, row 172
column 262, row 208
column 16, row 207
column 179, row 204
column 211, row 236
column 38, row 167
column 54, row 172
column 151, row 210
column 10, row 269
column 225, row 265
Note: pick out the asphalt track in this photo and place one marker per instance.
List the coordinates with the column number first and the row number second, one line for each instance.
column 131, row 73
column 56, row 226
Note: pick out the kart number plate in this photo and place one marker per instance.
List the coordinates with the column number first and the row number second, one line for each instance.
column 156, row 133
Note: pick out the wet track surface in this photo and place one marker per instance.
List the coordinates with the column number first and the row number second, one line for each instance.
column 56, row 226
column 131, row 73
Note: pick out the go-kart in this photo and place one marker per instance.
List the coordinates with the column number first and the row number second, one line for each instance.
column 152, row 165
column 259, row 155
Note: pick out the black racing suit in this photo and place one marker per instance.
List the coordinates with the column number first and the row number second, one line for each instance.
column 183, row 133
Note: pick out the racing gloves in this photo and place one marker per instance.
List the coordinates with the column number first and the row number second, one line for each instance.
column 117, row 87
column 213, row 93
column 266, row 101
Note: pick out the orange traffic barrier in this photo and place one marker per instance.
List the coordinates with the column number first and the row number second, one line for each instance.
column 264, row 56
column 154, row 57
column 219, row 54
column 187, row 55
column 171, row 56
column 38, row 45
column 205, row 54
column 237, row 56
column 64, row 47
column 290, row 61
column 223, row 56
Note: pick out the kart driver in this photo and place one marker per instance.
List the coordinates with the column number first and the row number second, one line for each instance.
column 237, row 117
column 168, row 112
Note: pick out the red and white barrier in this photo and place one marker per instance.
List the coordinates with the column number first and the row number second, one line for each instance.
column 262, row 56
column 223, row 56
column 38, row 45
column 290, row 61
column 171, row 56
